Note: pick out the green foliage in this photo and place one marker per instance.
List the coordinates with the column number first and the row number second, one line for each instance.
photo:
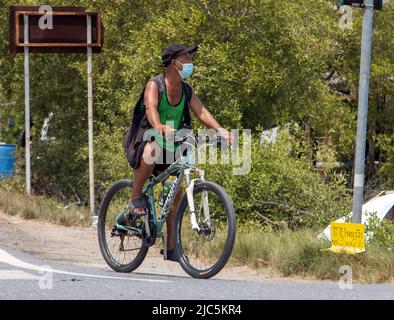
column 385, row 142
column 260, row 63
column 281, row 188
column 381, row 232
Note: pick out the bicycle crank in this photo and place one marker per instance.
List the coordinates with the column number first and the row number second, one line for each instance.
column 150, row 236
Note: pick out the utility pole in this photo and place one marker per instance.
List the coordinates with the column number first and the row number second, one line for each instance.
column 362, row 116
column 90, row 114
column 27, row 104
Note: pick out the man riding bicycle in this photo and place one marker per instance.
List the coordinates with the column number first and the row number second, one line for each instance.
column 166, row 116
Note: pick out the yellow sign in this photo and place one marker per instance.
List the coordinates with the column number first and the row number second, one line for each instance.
column 347, row 238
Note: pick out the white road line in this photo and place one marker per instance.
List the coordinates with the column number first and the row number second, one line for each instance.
column 7, row 258
column 17, row 275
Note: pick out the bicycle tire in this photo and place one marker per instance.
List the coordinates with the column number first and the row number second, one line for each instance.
column 228, row 247
column 139, row 258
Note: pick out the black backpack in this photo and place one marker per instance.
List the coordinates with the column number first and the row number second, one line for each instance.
column 133, row 143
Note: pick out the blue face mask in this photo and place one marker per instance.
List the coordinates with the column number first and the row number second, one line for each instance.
column 186, row 71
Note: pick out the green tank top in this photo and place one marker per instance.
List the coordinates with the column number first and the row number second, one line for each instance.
column 170, row 115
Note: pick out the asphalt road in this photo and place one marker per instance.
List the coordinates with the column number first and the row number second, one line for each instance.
column 23, row 276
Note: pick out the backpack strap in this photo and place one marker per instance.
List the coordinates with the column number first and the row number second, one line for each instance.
column 188, row 90
column 187, row 120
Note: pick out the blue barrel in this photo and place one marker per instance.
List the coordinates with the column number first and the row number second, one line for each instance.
column 7, row 160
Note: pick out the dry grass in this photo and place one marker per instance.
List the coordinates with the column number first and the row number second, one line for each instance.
column 34, row 207
column 298, row 253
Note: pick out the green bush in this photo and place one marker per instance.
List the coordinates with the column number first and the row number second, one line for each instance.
column 381, row 232
column 385, row 143
column 282, row 189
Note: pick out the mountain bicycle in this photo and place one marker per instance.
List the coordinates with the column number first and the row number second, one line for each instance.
column 205, row 223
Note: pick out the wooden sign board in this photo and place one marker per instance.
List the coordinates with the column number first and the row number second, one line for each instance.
column 378, row 4
column 68, row 35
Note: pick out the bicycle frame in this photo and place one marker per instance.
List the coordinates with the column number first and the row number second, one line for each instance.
column 181, row 168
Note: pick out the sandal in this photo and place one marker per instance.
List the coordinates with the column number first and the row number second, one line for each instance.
column 138, row 203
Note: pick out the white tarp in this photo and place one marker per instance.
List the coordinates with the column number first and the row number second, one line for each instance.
column 381, row 205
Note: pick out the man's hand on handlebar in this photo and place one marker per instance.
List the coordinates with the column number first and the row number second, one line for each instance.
column 165, row 130
column 225, row 134
column 171, row 134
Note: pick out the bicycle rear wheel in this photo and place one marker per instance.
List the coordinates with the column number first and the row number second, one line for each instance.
column 123, row 251
column 202, row 254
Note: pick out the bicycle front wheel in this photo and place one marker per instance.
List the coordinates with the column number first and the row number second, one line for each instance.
column 203, row 253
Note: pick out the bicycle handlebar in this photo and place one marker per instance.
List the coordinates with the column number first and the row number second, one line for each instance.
column 218, row 142
column 179, row 137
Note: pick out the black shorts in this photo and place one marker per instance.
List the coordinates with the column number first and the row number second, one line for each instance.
column 167, row 158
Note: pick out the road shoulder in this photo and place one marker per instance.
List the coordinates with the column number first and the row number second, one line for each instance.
column 79, row 245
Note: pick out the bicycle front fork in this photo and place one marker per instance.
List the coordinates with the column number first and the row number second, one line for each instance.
column 190, row 198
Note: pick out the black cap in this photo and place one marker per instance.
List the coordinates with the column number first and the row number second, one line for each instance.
column 175, row 50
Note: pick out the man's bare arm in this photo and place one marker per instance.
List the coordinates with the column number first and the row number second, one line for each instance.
column 202, row 114
column 151, row 103
column 207, row 119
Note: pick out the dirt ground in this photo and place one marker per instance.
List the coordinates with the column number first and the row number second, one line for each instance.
column 79, row 245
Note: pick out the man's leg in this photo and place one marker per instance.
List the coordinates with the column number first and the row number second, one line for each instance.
column 142, row 174
column 171, row 220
